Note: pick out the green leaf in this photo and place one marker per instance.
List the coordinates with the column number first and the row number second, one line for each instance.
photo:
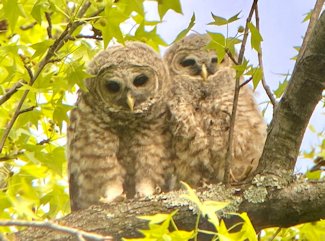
column 256, row 37
column 41, row 47
column 240, row 69
column 11, row 11
column 39, row 8
column 157, row 218
column 165, row 5
column 257, row 76
column 183, row 33
column 219, row 21
column 248, row 228
column 316, row 175
column 281, row 88
column 218, row 43
column 234, row 18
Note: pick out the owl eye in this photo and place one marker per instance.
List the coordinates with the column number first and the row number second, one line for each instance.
column 188, row 62
column 214, row 60
column 140, row 80
column 112, row 86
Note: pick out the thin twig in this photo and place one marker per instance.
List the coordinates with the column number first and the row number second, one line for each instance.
column 29, row 26
column 260, row 62
column 11, row 156
column 275, row 234
column 245, row 82
column 313, row 19
column 58, row 43
column 11, row 91
column 49, row 28
column 235, row 102
column 27, row 110
column 231, row 57
column 56, row 227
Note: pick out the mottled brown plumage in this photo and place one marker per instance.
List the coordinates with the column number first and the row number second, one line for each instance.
column 201, row 106
column 117, row 139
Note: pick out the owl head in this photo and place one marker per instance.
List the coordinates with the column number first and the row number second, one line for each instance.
column 190, row 57
column 127, row 78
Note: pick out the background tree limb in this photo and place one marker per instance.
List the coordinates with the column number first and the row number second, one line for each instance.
column 295, row 108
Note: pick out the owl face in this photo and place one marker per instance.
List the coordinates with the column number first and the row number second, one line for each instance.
column 190, row 57
column 128, row 78
column 128, row 87
column 195, row 63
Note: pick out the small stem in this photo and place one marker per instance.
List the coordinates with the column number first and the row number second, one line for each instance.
column 235, row 101
column 49, row 28
column 260, row 62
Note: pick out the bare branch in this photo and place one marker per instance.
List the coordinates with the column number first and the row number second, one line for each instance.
column 11, row 156
column 260, row 62
column 27, row 110
column 245, row 82
column 314, row 16
column 56, row 227
column 235, row 102
column 231, row 57
column 11, row 91
column 49, row 28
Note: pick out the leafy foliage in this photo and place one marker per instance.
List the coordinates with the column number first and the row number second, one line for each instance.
column 160, row 224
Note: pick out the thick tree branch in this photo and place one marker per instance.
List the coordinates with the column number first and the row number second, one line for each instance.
column 299, row 100
column 300, row 202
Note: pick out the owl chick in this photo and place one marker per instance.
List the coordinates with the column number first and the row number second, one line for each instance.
column 118, row 141
column 203, row 90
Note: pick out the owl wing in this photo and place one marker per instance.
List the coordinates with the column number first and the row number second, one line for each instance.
column 95, row 173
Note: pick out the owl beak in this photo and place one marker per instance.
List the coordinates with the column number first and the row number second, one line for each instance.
column 204, row 72
column 130, row 101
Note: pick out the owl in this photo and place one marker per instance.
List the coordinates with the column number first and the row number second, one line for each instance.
column 203, row 92
column 118, row 140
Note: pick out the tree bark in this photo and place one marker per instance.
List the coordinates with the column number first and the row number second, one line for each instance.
column 295, row 108
column 297, row 203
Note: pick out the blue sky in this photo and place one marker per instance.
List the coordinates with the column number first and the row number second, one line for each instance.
column 281, row 28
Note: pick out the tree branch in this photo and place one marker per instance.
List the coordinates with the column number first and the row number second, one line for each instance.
column 235, row 102
column 57, row 227
column 298, row 203
column 11, row 91
column 295, row 108
column 58, row 43
column 314, row 16
column 260, row 62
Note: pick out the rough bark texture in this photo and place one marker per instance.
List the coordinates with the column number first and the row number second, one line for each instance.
column 292, row 115
column 300, row 202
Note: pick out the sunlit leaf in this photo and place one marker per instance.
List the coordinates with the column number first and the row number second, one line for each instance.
column 256, row 37
column 184, row 32
column 165, row 5
column 11, row 11
column 281, row 88
column 219, row 21
column 39, row 9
